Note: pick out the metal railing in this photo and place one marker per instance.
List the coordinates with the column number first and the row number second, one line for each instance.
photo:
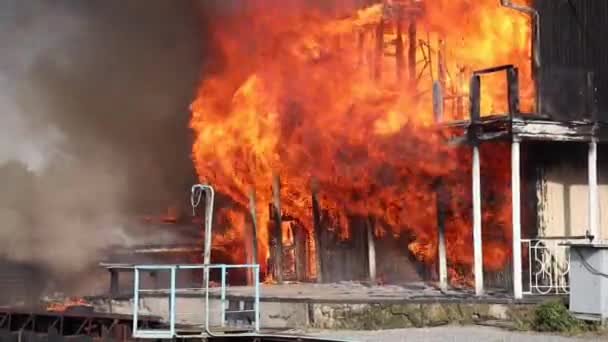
column 548, row 265
column 206, row 292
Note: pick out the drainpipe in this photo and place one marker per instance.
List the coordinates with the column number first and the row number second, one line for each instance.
column 536, row 61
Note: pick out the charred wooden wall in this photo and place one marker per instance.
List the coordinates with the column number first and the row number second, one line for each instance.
column 571, row 46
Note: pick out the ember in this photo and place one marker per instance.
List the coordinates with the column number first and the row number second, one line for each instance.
column 312, row 98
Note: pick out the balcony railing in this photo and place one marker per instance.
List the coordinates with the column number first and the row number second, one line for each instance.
column 548, row 265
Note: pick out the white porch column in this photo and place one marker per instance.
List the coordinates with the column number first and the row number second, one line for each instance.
column 516, row 205
column 477, row 252
column 441, row 252
column 593, row 190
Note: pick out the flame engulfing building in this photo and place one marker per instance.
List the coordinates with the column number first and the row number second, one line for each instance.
column 406, row 140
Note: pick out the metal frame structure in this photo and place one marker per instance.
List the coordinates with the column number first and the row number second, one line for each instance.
column 72, row 324
column 171, row 331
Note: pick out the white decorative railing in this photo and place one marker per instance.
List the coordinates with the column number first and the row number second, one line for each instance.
column 548, row 265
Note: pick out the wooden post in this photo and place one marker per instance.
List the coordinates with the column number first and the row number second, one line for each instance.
column 459, row 98
column 477, row 251
column 371, row 250
column 441, row 252
column 411, row 55
column 317, row 230
column 439, row 194
column 594, row 218
column 399, row 50
column 300, row 252
column 474, row 98
column 379, row 53
column 441, row 64
column 278, row 230
column 253, row 259
column 513, row 91
column 516, row 207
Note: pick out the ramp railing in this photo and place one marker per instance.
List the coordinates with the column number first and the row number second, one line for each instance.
column 208, row 307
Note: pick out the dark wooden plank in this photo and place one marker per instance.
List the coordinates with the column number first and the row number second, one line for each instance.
column 317, row 232
column 278, row 228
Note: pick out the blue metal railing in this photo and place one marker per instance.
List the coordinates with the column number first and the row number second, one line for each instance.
column 171, row 331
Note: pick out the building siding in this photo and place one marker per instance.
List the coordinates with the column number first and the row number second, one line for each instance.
column 571, row 44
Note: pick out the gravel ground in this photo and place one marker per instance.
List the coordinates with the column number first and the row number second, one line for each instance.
column 446, row 334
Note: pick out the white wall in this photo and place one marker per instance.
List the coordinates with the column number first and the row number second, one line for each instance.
column 563, row 201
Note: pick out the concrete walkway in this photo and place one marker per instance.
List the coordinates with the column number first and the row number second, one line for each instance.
column 445, row 334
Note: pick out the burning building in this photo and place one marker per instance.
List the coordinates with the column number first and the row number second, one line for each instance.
column 382, row 141
column 345, row 137
column 329, row 124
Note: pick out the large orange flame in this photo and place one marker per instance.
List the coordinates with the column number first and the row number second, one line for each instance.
column 293, row 95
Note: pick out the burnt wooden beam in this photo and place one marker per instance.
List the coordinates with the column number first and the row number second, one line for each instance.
column 411, row 54
column 513, row 91
column 300, row 252
column 317, row 231
column 460, row 78
column 524, row 127
column 493, row 69
column 552, row 130
column 399, row 49
column 379, row 51
column 441, row 63
column 253, row 257
column 474, row 98
column 278, row 227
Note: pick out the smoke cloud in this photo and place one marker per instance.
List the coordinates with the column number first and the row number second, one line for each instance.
column 94, row 100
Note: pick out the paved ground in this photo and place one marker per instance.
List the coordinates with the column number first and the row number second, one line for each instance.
column 447, row 334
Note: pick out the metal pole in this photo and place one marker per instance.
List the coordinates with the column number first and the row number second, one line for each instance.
column 593, row 190
column 172, row 302
column 135, row 298
column 210, row 195
column 477, row 252
column 516, row 206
